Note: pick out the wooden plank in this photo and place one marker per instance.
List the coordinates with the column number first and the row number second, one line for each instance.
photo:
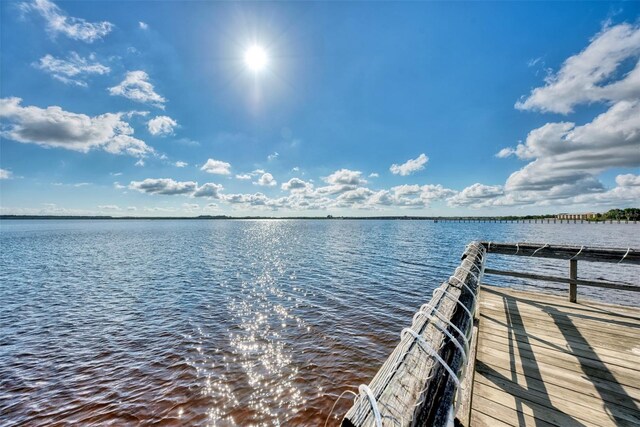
column 558, row 361
column 560, row 325
column 619, row 397
column 574, row 400
column 478, row 419
column 554, row 416
column 576, row 313
column 507, row 414
column 573, row 281
column 527, row 367
column 596, row 353
column 580, row 253
column 539, row 297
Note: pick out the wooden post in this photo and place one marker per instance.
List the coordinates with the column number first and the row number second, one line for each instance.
column 573, row 286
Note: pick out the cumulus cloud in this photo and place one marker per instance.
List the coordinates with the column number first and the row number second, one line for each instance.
column 181, row 164
column 564, row 153
column 5, row 174
column 217, row 167
column 244, row 176
column 136, row 87
column 72, row 69
column 109, row 207
column 59, row 23
column 54, row 127
column 565, row 158
column 345, row 177
column 296, row 184
column 143, row 25
column 165, row 186
column 410, row 166
column 374, row 175
column 266, row 179
column 161, row 125
column 476, row 195
column 586, row 77
column 273, row 156
column 209, row 190
column 628, row 180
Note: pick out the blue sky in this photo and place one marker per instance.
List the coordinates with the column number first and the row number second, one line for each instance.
column 150, row 108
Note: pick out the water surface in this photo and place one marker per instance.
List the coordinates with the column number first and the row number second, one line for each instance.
column 230, row 322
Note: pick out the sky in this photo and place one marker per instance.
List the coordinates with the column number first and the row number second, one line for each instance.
column 193, row 108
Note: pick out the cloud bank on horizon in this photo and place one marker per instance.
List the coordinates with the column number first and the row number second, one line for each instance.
column 592, row 134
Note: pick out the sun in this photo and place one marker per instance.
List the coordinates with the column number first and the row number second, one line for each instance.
column 255, row 58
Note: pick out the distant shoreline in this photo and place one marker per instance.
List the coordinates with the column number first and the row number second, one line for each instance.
column 541, row 218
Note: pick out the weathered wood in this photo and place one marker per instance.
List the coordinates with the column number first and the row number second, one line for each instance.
column 546, row 360
column 463, row 414
column 573, row 284
column 411, row 387
column 579, row 253
column 576, row 281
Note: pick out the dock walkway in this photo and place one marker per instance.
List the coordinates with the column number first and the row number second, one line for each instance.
column 544, row 361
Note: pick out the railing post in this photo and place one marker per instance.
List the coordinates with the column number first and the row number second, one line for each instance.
column 573, row 286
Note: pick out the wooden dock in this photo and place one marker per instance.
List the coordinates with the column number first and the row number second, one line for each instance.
column 482, row 355
column 544, row 361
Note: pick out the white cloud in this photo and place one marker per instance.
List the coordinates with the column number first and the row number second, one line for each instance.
column 564, row 153
column 476, row 195
column 410, row 166
column 565, row 159
column 109, row 207
column 165, row 186
column 143, row 25
column 374, row 175
column 266, row 179
column 586, row 77
column 73, row 69
column 244, row 176
column 181, row 164
column 505, row 152
column 208, row 190
column 217, row 167
column 136, row 87
column 140, row 163
column 161, row 125
column 345, row 177
column 54, row 127
column 59, row 23
column 5, row 174
column 628, row 180
column 273, row 156
column 296, row 184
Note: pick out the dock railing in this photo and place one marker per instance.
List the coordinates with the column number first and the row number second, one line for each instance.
column 571, row 253
column 427, row 379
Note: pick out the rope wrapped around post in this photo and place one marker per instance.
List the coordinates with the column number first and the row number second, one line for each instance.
column 420, row 381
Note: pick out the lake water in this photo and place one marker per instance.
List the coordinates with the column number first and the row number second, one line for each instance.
column 230, row 322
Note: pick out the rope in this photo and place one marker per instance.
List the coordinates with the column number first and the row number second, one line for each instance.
column 625, row 255
column 456, row 300
column 334, row 405
column 447, row 321
column 467, row 287
column 372, row 400
column 426, row 347
column 581, row 248
column 536, row 251
column 448, row 334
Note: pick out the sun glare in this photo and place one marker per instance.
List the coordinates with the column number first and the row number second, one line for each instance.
column 255, row 58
